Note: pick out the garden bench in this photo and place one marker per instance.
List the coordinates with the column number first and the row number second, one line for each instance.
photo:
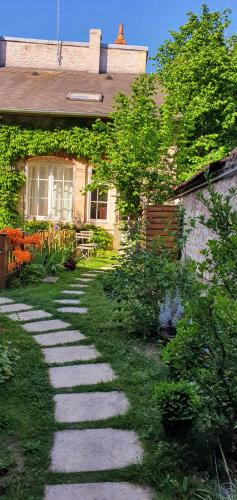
column 84, row 245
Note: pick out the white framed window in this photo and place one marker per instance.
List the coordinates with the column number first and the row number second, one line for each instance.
column 49, row 190
column 98, row 205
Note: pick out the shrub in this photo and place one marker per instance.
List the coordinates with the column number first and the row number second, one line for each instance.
column 143, row 280
column 7, row 357
column 179, row 404
column 102, row 238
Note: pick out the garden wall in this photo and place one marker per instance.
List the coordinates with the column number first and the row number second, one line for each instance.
column 193, row 208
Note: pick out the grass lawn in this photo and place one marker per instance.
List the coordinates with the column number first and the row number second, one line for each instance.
column 26, row 408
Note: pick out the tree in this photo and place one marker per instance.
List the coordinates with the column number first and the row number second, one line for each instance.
column 197, row 69
column 131, row 160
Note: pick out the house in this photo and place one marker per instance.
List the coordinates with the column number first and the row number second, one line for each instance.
column 48, row 84
column 223, row 176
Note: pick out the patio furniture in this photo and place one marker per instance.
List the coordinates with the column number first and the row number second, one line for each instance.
column 84, row 244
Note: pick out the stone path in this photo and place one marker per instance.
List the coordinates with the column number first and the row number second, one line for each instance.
column 86, row 450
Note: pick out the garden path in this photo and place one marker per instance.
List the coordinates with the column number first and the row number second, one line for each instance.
column 71, row 366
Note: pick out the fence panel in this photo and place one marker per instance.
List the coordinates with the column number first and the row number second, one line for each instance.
column 161, row 221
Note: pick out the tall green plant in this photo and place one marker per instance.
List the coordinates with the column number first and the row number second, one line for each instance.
column 197, row 69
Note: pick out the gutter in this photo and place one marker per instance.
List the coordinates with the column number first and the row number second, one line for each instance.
column 49, row 112
column 227, row 173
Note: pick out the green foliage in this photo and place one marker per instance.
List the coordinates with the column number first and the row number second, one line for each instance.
column 197, row 69
column 140, row 284
column 11, row 181
column 35, row 226
column 179, row 404
column 102, row 238
column 204, row 350
column 50, row 259
column 7, row 357
column 132, row 162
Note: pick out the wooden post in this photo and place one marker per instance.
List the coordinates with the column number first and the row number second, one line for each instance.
column 3, row 260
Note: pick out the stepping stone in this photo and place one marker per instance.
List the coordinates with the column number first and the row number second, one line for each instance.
column 67, row 301
column 77, row 285
column 89, row 275
column 97, row 491
column 73, row 292
column 67, row 354
column 45, row 326
column 5, row 300
column 55, row 338
column 14, row 308
column 77, row 310
column 94, row 450
column 29, row 315
column 71, row 376
column 50, row 279
column 89, row 406
column 85, row 279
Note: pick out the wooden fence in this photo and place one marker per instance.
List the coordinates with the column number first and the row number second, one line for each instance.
column 161, row 222
column 54, row 240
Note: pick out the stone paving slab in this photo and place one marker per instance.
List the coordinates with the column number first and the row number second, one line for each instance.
column 85, row 279
column 5, row 300
column 67, row 354
column 87, row 406
column 90, row 374
column 67, row 301
column 97, row 491
column 29, row 315
column 14, row 308
column 55, row 338
column 94, row 450
column 73, row 310
column 45, row 326
column 73, row 292
column 50, row 279
column 89, row 275
column 78, row 285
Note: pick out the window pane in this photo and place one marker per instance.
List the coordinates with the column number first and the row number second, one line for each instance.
column 57, row 171
column 93, row 210
column 57, row 189
column 68, row 174
column 43, row 171
column 43, row 189
column 102, row 196
column 32, row 206
column 32, row 188
column 68, row 189
column 94, row 195
column 43, row 207
column 102, row 211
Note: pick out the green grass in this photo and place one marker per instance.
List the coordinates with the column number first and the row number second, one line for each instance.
column 26, row 408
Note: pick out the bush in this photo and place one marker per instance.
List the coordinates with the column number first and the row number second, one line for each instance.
column 142, row 282
column 179, row 404
column 102, row 238
column 7, row 357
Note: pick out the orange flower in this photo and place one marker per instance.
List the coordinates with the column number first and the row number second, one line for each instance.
column 21, row 256
column 33, row 240
column 15, row 235
column 11, row 267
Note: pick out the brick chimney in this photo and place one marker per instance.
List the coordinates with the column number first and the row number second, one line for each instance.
column 94, row 51
column 120, row 40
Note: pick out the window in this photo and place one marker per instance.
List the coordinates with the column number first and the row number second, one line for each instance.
column 99, row 203
column 49, row 192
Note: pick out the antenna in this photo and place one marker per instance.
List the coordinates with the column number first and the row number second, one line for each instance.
column 59, row 46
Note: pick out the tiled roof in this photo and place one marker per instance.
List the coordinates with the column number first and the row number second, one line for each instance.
column 45, row 92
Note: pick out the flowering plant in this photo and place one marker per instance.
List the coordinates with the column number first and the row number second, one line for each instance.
column 19, row 243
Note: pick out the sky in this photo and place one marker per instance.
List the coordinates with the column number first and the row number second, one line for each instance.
column 146, row 22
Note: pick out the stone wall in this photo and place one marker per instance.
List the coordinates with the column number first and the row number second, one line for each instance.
column 92, row 56
column 200, row 235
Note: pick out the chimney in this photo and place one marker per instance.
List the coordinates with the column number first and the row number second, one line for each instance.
column 120, row 40
column 94, row 51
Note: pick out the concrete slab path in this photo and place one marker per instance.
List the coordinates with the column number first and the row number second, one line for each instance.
column 97, row 491
column 94, row 450
column 29, row 315
column 55, row 338
column 89, row 374
column 45, row 326
column 61, row 355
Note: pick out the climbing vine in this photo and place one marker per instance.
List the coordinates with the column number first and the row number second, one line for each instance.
column 18, row 142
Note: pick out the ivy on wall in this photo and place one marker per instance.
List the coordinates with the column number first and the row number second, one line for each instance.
column 18, row 142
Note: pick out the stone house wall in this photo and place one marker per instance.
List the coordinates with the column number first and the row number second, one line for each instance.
column 193, row 207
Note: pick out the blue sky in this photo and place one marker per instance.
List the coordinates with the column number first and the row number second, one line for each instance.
column 147, row 22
